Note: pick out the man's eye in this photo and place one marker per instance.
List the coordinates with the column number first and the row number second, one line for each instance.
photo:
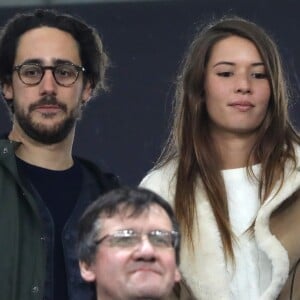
column 31, row 72
column 123, row 241
column 161, row 241
column 65, row 72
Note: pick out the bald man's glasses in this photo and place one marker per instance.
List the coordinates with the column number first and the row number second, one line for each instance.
column 127, row 238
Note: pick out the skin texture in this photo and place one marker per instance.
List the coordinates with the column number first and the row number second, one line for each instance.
column 139, row 272
column 237, row 94
column 50, row 46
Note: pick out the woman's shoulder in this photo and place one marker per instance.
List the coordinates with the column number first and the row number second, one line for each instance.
column 163, row 173
column 161, row 180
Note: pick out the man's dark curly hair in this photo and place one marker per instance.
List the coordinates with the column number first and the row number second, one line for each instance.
column 92, row 56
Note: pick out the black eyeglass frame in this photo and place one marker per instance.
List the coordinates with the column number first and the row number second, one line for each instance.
column 78, row 69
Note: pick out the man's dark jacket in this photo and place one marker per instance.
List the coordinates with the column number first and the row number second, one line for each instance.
column 23, row 250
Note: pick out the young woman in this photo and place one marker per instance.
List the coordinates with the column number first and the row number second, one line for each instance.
column 231, row 167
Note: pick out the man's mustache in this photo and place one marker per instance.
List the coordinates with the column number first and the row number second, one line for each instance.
column 47, row 100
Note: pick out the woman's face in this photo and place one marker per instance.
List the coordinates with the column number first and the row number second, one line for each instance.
column 237, row 90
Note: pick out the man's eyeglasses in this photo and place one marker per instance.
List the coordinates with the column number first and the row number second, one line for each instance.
column 127, row 238
column 64, row 74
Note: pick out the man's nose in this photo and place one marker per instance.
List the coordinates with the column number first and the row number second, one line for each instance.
column 145, row 250
column 48, row 84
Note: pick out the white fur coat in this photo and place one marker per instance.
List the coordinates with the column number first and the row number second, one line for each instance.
column 206, row 271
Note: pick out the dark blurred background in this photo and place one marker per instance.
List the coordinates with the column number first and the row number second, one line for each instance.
column 124, row 129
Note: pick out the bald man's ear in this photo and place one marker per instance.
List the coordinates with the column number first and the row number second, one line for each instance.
column 87, row 271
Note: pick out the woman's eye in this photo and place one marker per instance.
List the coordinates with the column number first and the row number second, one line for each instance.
column 225, row 74
column 259, row 75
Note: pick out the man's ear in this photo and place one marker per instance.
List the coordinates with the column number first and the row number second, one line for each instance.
column 7, row 91
column 87, row 92
column 87, row 271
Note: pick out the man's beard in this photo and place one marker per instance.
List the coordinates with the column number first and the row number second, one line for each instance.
column 47, row 134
